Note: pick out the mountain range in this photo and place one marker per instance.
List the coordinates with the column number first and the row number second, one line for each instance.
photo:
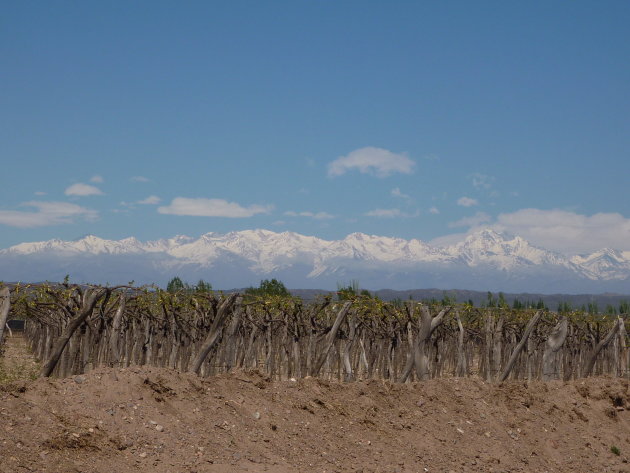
column 486, row 260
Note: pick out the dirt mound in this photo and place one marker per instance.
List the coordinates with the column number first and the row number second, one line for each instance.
column 148, row 419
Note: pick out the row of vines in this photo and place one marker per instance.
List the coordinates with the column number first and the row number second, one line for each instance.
column 73, row 329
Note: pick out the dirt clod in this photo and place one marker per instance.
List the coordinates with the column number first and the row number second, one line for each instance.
column 163, row 421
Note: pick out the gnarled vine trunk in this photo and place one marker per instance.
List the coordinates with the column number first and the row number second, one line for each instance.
column 554, row 342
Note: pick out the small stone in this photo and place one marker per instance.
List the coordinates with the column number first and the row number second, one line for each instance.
column 125, row 444
column 79, row 379
column 256, row 415
column 143, row 455
column 152, row 422
column 159, row 428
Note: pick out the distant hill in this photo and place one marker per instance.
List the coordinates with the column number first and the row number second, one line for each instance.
column 480, row 297
column 485, row 260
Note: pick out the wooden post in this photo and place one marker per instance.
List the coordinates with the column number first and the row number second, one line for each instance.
column 488, row 328
column 349, row 376
column 497, row 347
column 460, row 369
column 553, row 344
column 623, row 348
column 5, row 305
column 115, row 336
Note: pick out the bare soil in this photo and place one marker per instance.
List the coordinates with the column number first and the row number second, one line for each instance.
column 159, row 420
column 16, row 361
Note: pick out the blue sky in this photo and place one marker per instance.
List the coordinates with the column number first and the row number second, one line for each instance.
column 409, row 119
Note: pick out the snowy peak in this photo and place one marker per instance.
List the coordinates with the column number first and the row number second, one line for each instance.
column 505, row 251
column 491, row 242
column 372, row 247
column 486, row 237
column 264, row 252
column 95, row 245
column 605, row 255
column 604, row 264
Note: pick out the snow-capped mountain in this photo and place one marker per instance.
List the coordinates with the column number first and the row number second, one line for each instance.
column 605, row 264
column 485, row 261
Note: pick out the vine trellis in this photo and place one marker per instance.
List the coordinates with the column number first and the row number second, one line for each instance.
column 73, row 329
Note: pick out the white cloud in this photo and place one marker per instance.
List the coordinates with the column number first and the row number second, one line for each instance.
column 396, row 192
column 151, row 200
column 384, row 213
column 140, row 179
column 390, row 213
column 568, row 232
column 46, row 213
column 202, row 207
column 96, row 178
column 467, row 202
column 370, row 160
column 481, row 181
column 321, row 215
column 434, row 210
column 558, row 230
column 448, row 240
column 81, row 189
column 477, row 219
column 315, row 215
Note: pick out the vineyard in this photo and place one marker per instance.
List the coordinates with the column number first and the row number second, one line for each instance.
column 73, row 329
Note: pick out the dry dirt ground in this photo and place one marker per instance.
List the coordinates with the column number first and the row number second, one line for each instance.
column 158, row 420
